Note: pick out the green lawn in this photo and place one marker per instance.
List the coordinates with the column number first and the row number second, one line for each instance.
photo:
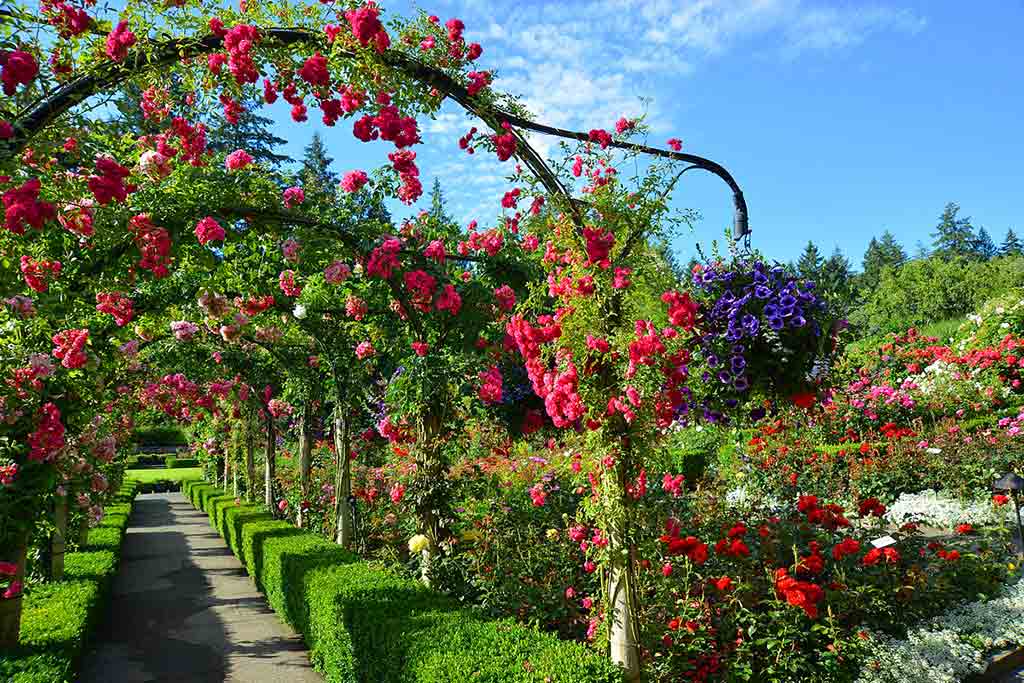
column 164, row 474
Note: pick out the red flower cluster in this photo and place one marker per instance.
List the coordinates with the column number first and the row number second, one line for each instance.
column 505, row 146
column 108, row 183
column 802, row 594
column 682, row 310
column 690, row 546
column 69, row 21
column 599, row 246
column 39, row 274
column 116, row 304
column 876, row 555
column 404, row 163
column 68, row 347
column 48, row 438
column 449, row 300
column 871, row 506
column 846, row 547
column 19, row 68
column 22, row 208
column 314, row 71
column 830, row 517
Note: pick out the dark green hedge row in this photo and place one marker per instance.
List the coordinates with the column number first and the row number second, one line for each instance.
column 172, row 462
column 368, row 625
column 59, row 617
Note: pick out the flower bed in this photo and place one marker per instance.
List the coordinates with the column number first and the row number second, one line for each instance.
column 364, row 623
column 59, row 617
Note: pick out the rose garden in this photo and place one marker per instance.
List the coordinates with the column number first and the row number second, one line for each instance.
column 527, row 449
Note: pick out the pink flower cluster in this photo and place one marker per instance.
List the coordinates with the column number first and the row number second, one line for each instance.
column 355, row 307
column 314, row 71
column 353, row 181
column 68, row 347
column 22, row 208
column 336, row 273
column 184, row 330
column 209, row 230
column 490, row 389
column 293, row 196
column 506, row 298
column 118, row 42
column 237, row 160
column 239, row 42
column 383, row 259
column 286, row 280
column 449, row 300
column 599, row 246
column 39, row 274
column 116, row 304
column 364, row 349
column 367, row 27
column 154, row 244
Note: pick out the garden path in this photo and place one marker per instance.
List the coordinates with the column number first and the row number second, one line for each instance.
column 183, row 609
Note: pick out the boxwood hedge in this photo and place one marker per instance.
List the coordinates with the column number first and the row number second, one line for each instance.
column 59, row 617
column 363, row 623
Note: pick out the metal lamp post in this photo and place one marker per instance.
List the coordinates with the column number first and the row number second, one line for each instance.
column 1014, row 484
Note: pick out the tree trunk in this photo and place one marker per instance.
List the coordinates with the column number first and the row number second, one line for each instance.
column 234, row 480
column 250, row 461
column 10, row 610
column 305, row 456
column 343, row 480
column 269, row 464
column 58, row 540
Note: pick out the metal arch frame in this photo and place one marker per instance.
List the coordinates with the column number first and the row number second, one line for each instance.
column 37, row 116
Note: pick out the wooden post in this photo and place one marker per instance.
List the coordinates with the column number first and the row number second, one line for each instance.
column 268, row 465
column 250, row 460
column 10, row 610
column 58, row 540
column 343, row 479
column 305, row 455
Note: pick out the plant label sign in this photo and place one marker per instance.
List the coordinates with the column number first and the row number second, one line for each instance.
column 883, row 542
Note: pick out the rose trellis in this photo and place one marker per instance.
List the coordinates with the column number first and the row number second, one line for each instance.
column 342, row 58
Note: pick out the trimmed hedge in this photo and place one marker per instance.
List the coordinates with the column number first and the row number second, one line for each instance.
column 59, row 617
column 171, row 462
column 363, row 623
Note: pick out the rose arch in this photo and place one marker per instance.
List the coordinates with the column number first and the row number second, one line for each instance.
column 140, row 230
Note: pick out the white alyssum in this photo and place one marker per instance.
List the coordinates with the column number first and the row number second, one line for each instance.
column 952, row 646
column 939, row 510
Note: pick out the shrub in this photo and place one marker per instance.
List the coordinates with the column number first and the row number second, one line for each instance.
column 59, row 617
column 363, row 623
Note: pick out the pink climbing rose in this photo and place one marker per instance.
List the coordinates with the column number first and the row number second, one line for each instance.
column 208, row 230
column 353, row 181
column 237, row 160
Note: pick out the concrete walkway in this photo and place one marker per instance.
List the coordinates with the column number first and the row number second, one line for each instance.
column 183, row 609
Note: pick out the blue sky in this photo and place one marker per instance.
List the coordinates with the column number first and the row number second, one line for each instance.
column 839, row 120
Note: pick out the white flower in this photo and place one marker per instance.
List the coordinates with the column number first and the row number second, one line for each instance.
column 299, row 311
column 1005, row 326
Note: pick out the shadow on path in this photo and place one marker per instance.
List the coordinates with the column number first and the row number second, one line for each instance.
column 183, row 609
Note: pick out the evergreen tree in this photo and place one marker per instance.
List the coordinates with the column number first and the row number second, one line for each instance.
column 892, row 252
column 318, row 180
column 954, row 236
column 437, row 204
column 251, row 133
column 1011, row 245
column 984, row 247
column 810, row 263
column 880, row 253
column 835, row 282
column 921, row 251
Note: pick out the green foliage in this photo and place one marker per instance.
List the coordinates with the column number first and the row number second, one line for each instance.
column 363, row 623
column 172, row 463
column 154, row 475
column 937, row 288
